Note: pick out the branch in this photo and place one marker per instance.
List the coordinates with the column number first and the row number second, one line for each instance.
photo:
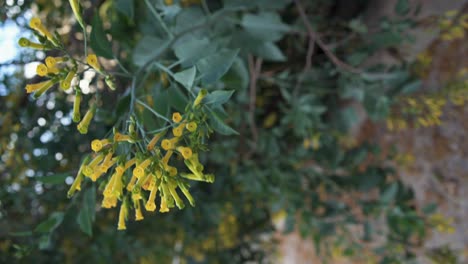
column 339, row 63
column 255, row 66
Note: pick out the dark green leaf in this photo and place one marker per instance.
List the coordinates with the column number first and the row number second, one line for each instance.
column 269, row 51
column 213, row 67
column 49, row 225
column 146, row 48
column 86, row 215
column 219, row 126
column 186, row 77
column 266, row 26
column 101, row 46
column 58, row 178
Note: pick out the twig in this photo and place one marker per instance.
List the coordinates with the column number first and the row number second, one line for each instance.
column 255, row 66
column 307, row 64
column 152, row 111
column 339, row 63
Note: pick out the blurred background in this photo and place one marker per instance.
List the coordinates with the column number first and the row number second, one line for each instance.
column 352, row 144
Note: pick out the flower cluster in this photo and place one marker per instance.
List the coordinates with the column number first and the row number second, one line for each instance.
column 62, row 70
column 152, row 168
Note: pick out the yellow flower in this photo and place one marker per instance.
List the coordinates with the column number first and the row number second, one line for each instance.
column 84, row 124
column 168, row 144
column 66, row 83
column 138, row 214
column 150, row 204
column 76, row 106
column 30, row 88
column 122, row 216
column 36, row 24
column 129, row 163
column 163, row 208
column 200, row 96
column 44, row 88
column 24, row 42
column 78, row 179
column 89, row 169
column 93, row 62
column 179, row 130
column 119, row 137
column 180, row 204
column 185, row 151
column 117, row 186
column 168, row 2
column 155, row 140
column 192, row 126
column 97, row 145
column 166, row 157
column 186, row 192
column 41, row 70
column 171, row 170
column 176, row 117
column 139, row 171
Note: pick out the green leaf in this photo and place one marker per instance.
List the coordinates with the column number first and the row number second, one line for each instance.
column 21, row 234
column 49, row 225
column 58, row 178
column 98, row 40
column 86, row 215
column 217, row 97
column 126, row 7
column 45, row 242
column 411, row 87
column 219, row 126
column 177, row 99
column 269, row 51
column 266, row 26
column 390, row 193
column 189, row 49
column 186, row 77
column 237, row 77
column 145, row 49
column 213, row 67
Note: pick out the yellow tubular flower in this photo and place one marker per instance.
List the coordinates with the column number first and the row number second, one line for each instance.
column 185, row 151
column 36, row 24
column 179, row 130
column 176, row 117
column 168, row 2
column 122, row 216
column 41, row 70
column 108, row 189
column 75, row 5
column 119, row 137
column 52, row 61
column 88, row 170
column 97, row 144
column 44, row 88
column 24, row 42
column 129, row 163
column 166, row 157
column 150, row 205
column 154, row 140
column 84, row 124
column 200, row 96
column 93, row 62
column 78, row 179
column 66, row 83
column 109, row 202
column 180, row 204
column 139, row 171
column 168, row 144
column 186, row 192
column 192, row 126
column 138, row 214
column 164, row 199
column 172, row 170
column 76, row 106
column 30, row 88
column 117, row 187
